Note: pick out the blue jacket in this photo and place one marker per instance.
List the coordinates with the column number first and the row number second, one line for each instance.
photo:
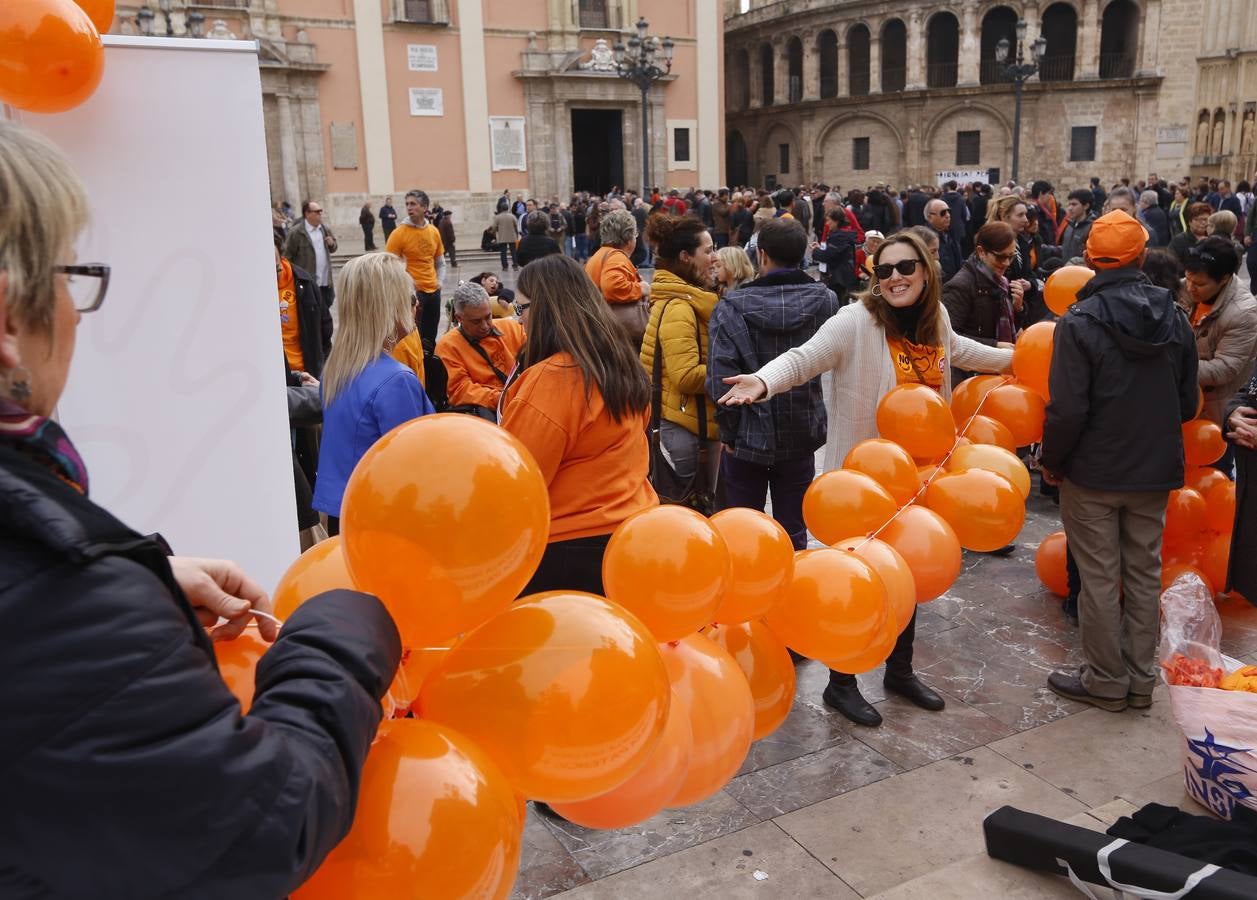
column 384, row 395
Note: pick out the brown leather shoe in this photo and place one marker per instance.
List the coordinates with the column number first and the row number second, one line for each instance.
column 1070, row 687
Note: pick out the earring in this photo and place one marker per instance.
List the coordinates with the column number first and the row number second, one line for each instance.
column 876, row 290
column 18, row 380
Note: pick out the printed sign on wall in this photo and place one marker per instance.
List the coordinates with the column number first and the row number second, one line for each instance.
column 427, row 102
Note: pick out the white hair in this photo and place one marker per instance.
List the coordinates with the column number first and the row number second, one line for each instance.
column 469, row 293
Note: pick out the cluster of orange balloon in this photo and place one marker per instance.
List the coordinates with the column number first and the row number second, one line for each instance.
column 53, row 57
column 1200, row 516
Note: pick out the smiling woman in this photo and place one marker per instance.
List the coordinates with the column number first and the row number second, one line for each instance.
column 981, row 301
column 899, row 333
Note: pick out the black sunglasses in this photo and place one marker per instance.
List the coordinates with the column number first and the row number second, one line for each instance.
column 904, row 267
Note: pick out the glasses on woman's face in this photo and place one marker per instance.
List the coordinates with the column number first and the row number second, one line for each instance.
column 1002, row 258
column 87, row 284
column 520, row 308
column 904, row 267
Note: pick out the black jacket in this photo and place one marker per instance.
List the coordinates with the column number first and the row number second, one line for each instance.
column 1158, row 225
column 950, row 256
column 838, row 255
column 1123, row 382
column 1242, row 574
column 752, row 325
column 534, row 246
column 973, row 299
column 128, row 769
column 1033, row 307
column 314, row 320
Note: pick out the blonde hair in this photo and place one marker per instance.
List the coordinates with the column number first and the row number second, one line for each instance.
column 1223, row 223
column 737, row 266
column 1001, row 208
column 43, row 207
column 373, row 299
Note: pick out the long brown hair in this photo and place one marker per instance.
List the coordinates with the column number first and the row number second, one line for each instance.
column 569, row 315
column 930, row 325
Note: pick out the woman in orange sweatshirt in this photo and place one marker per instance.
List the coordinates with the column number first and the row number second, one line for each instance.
column 579, row 402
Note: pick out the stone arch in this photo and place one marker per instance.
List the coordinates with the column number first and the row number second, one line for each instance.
column 939, row 138
column 999, row 22
column 894, row 40
column 859, row 38
column 1119, row 39
column 1217, row 144
column 739, row 80
column 827, row 59
column 1202, row 133
column 942, row 49
column 835, row 150
column 927, row 133
column 1060, row 30
column 737, row 160
column 776, row 134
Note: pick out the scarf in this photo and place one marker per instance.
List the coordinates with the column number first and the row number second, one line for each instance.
column 43, row 441
column 286, row 281
column 1005, row 329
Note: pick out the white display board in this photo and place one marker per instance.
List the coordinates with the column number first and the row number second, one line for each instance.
column 176, row 396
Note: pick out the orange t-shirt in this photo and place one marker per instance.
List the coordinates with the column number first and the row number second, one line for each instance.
column 596, row 468
column 615, row 275
column 471, row 380
column 409, row 352
column 917, row 363
column 289, row 321
column 420, row 247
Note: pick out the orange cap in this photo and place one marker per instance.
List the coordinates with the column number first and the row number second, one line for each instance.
column 1115, row 240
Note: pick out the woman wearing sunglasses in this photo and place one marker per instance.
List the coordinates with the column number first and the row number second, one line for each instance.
column 981, row 301
column 898, row 333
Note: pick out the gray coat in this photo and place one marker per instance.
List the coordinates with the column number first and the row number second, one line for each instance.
column 505, row 227
column 1074, row 238
column 300, row 252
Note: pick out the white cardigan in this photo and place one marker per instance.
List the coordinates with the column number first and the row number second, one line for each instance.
column 852, row 344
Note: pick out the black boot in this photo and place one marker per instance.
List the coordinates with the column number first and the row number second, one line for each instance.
column 843, row 694
column 914, row 689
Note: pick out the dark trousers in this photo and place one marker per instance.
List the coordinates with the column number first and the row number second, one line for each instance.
column 387, row 229
column 368, row 237
column 428, row 316
column 449, row 250
column 333, row 526
column 328, row 293
column 720, row 240
column 574, row 565
column 898, row 663
column 748, row 484
column 504, row 249
column 1250, row 259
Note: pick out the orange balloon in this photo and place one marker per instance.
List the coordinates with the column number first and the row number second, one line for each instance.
column 985, row 430
column 1220, row 507
column 1184, row 514
column 565, row 691
column 651, row 787
column 51, row 55
column 870, row 658
column 832, row 607
column 929, row 546
column 435, row 818
column 1020, row 409
column 762, row 559
column 901, row 588
column 843, row 502
column 1184, row 547
column 967, row 396
column 916, row 418
column 237, row 662
column 1216, row 561
column 961, row 441
column 925, row 473
column 1202, row 478
column 1202, row 442
column 1032, row 357
column 321, row 568
column 886, row 463
column 670, row 567
column 448, row 551
column 722, row 713
column 1050, row 564
column 416, row 665
column 1171, row 572
column 1061, row 290
column 768, row 668
column 982, row 507
column 993, row 459
column 101, row 12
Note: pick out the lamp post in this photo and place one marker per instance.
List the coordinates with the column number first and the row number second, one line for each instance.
column 165, row 6
column 1019, row 70
column 644, row 61
column 144, row 20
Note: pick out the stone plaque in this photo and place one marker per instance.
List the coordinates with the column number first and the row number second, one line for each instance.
column 421, row 57
column 427, row 102
column 344, row 145
column 506, row 138
column 1172, row 134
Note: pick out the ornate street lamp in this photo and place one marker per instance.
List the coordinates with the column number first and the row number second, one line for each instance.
column 644, row 61
column 195, row 24
column 165, row 6
column 144, row 20
column 1019, row 70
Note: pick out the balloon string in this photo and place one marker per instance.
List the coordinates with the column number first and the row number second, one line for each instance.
column 938, row 468
column 258, row 614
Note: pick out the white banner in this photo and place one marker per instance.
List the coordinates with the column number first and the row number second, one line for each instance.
column 962, row 176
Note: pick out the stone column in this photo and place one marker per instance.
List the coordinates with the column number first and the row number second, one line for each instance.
column 377, row 135
column 1033, row 28
column 755, row 79
column 781, row 73
column 475, row 95
column 1088, row 65
column 916, row 52
column 970, row 47
column 841, row 87
column 1148, row 38
column 711, row 115
column 875, row 60
column 288, row 151
column 811, row 67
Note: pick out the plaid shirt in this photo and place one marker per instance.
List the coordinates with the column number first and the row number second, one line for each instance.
column 752, row 325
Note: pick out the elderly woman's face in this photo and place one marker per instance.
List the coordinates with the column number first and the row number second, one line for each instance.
column 45, row 355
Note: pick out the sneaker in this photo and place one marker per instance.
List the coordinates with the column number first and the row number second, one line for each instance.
column 1071, row 688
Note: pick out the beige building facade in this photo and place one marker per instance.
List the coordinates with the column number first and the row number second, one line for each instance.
column 466, row 99
column 852, row 92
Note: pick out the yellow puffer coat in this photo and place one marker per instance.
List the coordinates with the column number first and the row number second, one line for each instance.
column 684, row 357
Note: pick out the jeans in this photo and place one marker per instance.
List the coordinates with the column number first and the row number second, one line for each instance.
column 721, row 240
column 574, row 565
column 1250, row 260
column 428, row 316
column 569, row 246
column 681, row 446
column 508, row 247
column 582, row 247
column 748, row 484
column 898, row 664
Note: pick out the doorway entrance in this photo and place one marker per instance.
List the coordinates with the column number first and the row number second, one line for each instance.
column 597, row 150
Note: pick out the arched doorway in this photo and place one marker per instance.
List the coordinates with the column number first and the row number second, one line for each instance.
column 1060, row 30
column 794, row 69
column 827, row 50
column 736, row 160
column 942, row 50
column 739, row 96
column 1000, row 22
column 858, row 61
column 1118, row 39
column 894, row 56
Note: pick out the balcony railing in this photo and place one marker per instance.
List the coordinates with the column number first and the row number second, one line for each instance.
column 993, row 72
column 795, row 92
column 1117, row 65
column 894, row 78
column 859, row 84
column 941, row 75
column 1057, row 68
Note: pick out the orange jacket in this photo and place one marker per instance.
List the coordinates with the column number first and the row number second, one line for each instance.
column 471, row 380
column 615, row 275
column 595, row 467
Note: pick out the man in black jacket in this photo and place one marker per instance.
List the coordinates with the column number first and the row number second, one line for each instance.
column 1123, row 381
column 950, row 258
column 770, row 446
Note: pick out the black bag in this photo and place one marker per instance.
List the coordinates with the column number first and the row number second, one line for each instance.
column 488, row 241
column 436, row 381
column 471, row 408
column 697, row 494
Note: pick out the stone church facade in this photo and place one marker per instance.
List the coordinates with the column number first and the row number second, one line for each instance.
column 853, row 92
